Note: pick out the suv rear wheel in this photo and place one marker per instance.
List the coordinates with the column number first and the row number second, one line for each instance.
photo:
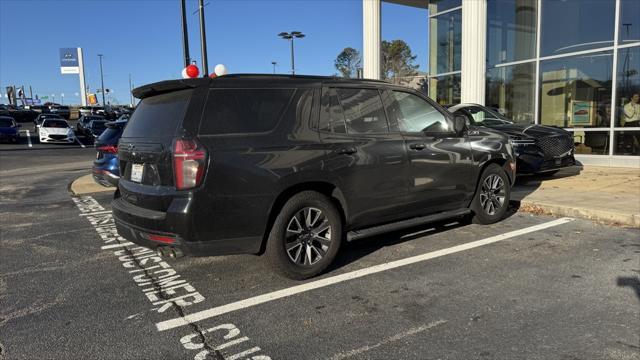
column 305, row 236
column 492, row 196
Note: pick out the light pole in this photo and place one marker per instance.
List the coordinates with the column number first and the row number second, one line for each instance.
column 274, row 66
column 185, row 36
column 131, row 90
column 102, row 79
column 291, row 36
column 203, row 40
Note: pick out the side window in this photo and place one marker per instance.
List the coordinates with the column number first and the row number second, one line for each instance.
column 363, row 111
column 414, row 114
column 331, row 119
column 242, row 111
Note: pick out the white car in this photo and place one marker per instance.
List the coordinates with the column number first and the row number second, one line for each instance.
column 55, row 130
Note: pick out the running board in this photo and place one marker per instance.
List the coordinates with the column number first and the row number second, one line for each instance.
column 376, row 230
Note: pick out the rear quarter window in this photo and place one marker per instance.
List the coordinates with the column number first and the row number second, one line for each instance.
column 242, row 111
column 158, row 116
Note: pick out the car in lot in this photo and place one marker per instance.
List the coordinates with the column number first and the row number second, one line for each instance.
column 106, row 170
column 42, row 117
column 83, row 123
column 9, row 130
column 293, row 166
column 18, row 114
column 61, row 110
column 54, row 130
column 94, row 129
column 539, row 149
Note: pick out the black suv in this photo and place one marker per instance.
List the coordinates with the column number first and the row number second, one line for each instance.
column 294, row 165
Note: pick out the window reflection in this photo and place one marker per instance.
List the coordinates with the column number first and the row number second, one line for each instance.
column 511, row 33
column 511, row 90
column 626, row 142
column 436, row 6
column 576, row 91
column 628, row 90
column 575, row 25
column 445, row 89
column 445, row 42
column 591, row 142
column 629, row 21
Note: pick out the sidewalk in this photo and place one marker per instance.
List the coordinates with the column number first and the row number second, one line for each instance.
column 604, row 194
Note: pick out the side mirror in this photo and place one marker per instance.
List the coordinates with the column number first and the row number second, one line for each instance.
column 459, row 123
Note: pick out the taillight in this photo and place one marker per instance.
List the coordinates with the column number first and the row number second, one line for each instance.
column 188, row 163
column 110, row 149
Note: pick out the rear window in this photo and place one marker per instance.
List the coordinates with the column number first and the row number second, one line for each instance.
column 242, row 111
column 158, row 116
column 110, row 136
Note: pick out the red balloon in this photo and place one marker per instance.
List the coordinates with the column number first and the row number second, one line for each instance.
column 213, row 75
column 192, row 71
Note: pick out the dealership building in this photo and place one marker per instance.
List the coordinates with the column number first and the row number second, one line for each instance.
column 573, row 64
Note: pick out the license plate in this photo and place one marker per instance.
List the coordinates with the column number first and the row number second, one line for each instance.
column 136, row 172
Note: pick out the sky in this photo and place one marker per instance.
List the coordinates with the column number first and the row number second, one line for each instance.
column 143, row 38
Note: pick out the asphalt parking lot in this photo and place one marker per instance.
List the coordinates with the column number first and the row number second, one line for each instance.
column 529, row 287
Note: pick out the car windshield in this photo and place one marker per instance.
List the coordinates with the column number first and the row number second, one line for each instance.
column 4, row 122
column 53, row 123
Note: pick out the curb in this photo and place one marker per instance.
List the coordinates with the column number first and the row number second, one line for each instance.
column 86, row 185
column 601, row 216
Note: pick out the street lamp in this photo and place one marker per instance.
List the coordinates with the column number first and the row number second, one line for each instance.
column 102, row 79
column 274, row 66
column 291, row 36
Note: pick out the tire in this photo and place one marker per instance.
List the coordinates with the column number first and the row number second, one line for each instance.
column 308, row 256
column 488, row 209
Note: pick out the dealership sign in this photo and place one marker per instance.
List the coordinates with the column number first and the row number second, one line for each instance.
column 69, row 63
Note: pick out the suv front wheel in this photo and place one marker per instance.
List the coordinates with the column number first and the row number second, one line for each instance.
column 492, row 196
column 305, row 236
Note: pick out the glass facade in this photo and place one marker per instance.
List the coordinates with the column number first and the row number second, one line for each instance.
column 577, row 71
column 576, row 25
column 445, row 42
column 511, row 90
column 629, row 28
column 445, row 89
column 576, row 91
column 511, row 32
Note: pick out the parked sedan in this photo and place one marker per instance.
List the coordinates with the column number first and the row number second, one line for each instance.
column 95, row 129
column 9, row 130
column 539, row 149
column 55, row 130
column 83, row 123
column 106, row 170
column 61, row 110
column 42, row 117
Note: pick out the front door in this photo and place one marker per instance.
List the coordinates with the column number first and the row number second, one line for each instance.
column 441, row 168
column 369, row 161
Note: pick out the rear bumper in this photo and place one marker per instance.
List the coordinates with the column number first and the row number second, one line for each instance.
column 105, row 177
column 136, row 224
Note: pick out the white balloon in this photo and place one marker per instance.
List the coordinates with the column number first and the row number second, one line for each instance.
column 220, row 70
column 184, row 74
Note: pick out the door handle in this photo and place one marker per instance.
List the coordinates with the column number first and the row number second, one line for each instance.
column 417, row 146
column 347, row 151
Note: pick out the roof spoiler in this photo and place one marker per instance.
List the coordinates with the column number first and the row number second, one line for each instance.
column 166, row 86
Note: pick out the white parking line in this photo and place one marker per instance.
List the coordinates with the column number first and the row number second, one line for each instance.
column 113, row 246
column 29, row 138
column 81, row 144
column 260, row 299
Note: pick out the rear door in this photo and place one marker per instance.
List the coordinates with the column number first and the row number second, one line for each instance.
column 369, row 160
column 145, row 148
column 441, row 168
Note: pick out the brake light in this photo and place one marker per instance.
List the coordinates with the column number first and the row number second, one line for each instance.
column 160, row 238
column 110, row 149
column 188, row 163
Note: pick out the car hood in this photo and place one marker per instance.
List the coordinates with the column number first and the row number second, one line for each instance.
column 532, row 131
column 56, row 131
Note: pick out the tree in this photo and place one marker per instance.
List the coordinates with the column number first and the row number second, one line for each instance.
column 348, row 62
column 397, row 59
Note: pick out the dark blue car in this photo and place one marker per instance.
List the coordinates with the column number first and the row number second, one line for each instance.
column 106, row 171
column 9, row 129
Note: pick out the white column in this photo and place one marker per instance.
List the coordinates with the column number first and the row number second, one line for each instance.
column 371, row 33
column 474, row 45
column 83, row 92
